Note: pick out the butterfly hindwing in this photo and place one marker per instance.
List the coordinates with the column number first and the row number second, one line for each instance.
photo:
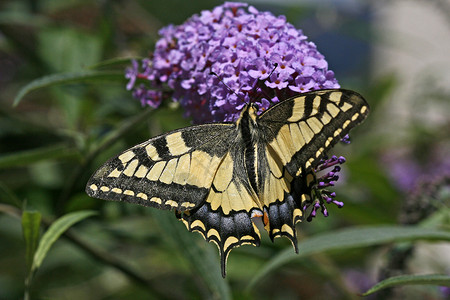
column 225, row 216
column 171, row 171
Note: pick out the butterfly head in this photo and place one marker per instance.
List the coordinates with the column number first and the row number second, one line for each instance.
column 248, row 114
column 252, row 110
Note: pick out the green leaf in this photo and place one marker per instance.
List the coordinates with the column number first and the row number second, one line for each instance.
column 31, row 222
column 69, row 78
column 432, row 279
column 36, row 155
column 203, row 260
column 54, row 232
column 349, row 238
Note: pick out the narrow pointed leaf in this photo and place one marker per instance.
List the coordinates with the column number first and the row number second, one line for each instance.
column 432, row 279
column 69, row 78
column 350, row 238
column 54, row 232
column 31, row 222
column 27, row 157
column 203, row 260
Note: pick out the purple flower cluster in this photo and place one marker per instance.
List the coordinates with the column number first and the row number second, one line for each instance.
column 321, row 195
column 218, row 61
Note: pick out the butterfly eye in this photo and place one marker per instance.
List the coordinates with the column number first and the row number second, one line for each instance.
column 255, row 107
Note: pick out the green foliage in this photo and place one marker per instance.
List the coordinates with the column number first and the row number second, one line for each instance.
column 201, row 259
column 37, row 249
column 69, row 78
column 349, row 238
column 54, row 232
column 31, row 222
column 27, row 157
column 433, row 279
column 64, row 110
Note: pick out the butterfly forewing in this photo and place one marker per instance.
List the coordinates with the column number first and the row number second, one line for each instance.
column 301, row 129
column 171, row 171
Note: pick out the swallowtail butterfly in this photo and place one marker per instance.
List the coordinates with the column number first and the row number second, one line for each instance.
column 218, row 176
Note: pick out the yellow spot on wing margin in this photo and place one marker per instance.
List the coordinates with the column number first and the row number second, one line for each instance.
column 156, row 200
column 288, row 229
column 363, row 109
column 230, row 240
column 116, row 190
column 128, row 192
column 346, row 123
column 142, row 195
column 105, row 189
column 198, row 223
column 213, row 232
column 171, row 203
column 187, row 204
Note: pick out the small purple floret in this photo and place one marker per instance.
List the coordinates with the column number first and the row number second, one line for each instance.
column 324, row 196
column 346, row 139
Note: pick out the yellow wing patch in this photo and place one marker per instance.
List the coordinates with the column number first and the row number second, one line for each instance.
column 275, row 185
column 227, row 193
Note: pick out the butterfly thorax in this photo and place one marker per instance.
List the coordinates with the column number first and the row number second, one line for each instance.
column 248, row 116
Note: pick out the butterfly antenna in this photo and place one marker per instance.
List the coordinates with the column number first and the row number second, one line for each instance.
column 221, row 80
column 275, row 65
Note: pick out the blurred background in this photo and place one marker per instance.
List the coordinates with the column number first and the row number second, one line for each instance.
column 395, row 53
